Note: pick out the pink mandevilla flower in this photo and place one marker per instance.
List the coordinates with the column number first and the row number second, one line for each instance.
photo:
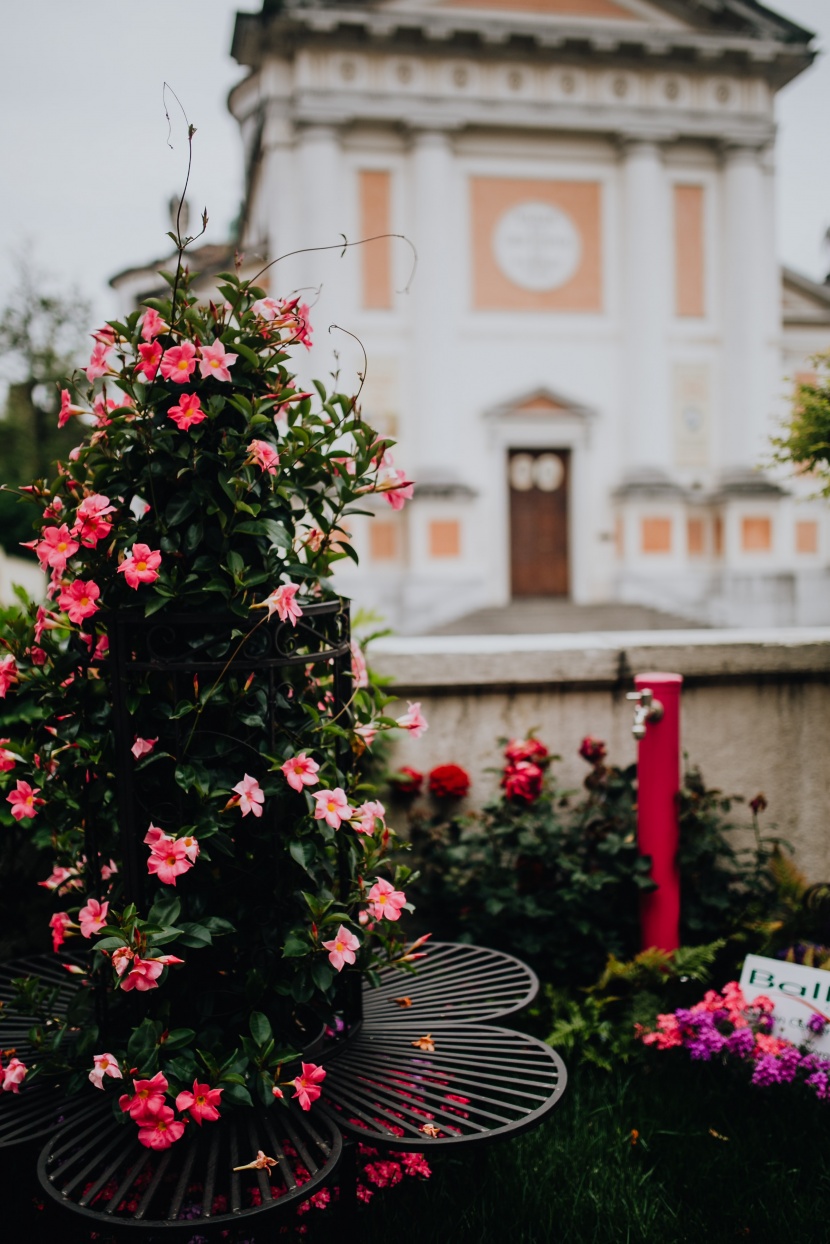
column 332, row 807
column 152, row 324
column 161, row 1130
column 202, row 1103
column 188, row 412
column 385, row 900
column 365, row 816
column 8, row 760
column 144, row 973
column 413, row 720
column 92, row 917
column 8, row 674
column 59, row 924
column 299, row 771
column 98, row 365
column 104, row 1065
column 214, row 361
column 342, row 948
column 55, row 547
column 141, row 565
column 147, row 1099
column 307, row 1085
column 58, row 877
column 397, row 489
column 179, row 362
column 13, row 1075
column 67, row 410
column 24, row 801
column 91, row 522
column 283, row 603
column 150, row 360
column 142, row 747
column 265, row 456
column 168, row 860
column 79, row 599
column 251, row 796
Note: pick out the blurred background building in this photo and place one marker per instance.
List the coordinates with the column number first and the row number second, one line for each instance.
column 598, row 341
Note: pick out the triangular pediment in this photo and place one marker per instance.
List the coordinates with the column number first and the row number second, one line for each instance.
column 803, row 301
column 541, row 403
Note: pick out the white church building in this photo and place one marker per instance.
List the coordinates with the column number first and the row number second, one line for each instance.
column 585, row 369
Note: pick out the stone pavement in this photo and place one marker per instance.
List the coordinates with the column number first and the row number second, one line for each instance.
column 549, row 615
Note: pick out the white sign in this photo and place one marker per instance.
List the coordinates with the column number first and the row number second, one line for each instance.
column 537, row 246
column 797, row 992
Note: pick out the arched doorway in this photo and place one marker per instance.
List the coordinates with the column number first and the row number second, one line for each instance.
column 539, row 487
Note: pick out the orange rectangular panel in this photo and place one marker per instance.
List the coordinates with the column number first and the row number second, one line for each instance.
column 383, row 540
column 376, row 257
column 655, row 535
column 806, row 536
column 756, row 534
column 689, row 263
column 445, row 538
column 537, row 245
column 696, row 537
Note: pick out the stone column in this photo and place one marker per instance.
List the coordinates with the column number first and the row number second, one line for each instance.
column 647, row 435
column 747, row 391
column 321, row 221
column 434, row 380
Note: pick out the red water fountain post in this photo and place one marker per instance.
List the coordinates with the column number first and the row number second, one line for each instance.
column 657, row 730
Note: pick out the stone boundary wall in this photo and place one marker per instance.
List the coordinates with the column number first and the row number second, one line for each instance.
column 755, row 710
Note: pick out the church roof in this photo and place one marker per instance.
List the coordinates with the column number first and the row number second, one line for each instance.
column 717, row 33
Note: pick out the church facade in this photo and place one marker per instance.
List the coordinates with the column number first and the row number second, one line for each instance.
column 586, row 366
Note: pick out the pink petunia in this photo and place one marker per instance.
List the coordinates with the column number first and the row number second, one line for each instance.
column 24, row 801
column 60, row 925
column 332, row 807
column 104, row 1065
column 14, row 1074
column 366, row 815
column 150, row 360
column 342, row 948
column 202, row 1103
column 161, row 1131
column 55, row 547
column 91, row 521
column 307, row 1085
column 168, row 860
column 142, row 747
column 67, row 410
column 385, row 900
column 188, row 412
column 300, row 771
column 251, row 797
column 413, row 720
column 79, row 599
column 8, row 674
column 147, row 1099
column 92, row 917
column 141, row 565
column 179, row 362
column 264, row 455
column 214, row 361
column 98, row 364
column 283, row 603
column 152, row 324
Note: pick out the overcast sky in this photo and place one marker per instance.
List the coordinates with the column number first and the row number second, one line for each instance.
column 86, row 167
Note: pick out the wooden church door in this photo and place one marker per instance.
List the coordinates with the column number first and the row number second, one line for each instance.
column 539, row 484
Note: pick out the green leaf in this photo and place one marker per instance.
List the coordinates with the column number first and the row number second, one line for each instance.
column 322, row 973
column 235, row 1095
column 303, row 853
column 260, row 1026
column 294, row 947
column 178, row 1037
column 195, row 935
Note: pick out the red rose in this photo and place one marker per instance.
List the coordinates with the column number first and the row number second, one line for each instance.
column 523, row 781
column 525, row 749
column 406, row 781
column 449, row 782
column 593, row 750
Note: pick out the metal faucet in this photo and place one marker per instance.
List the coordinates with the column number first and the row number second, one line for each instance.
column 646, row 708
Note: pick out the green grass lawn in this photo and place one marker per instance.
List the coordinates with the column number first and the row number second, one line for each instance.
column 668, row 1152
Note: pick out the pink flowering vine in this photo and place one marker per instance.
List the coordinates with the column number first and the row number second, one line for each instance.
column 104, row 1065
column 80, row 599
column 342, row 948
column 307, row 1084
column 179, row 362
column 332, row 807
column 24, row 801
column 202, row 1104
column 188, row 412
column 141, row 565
column 264, row 455
column 215, row 361
column 8, row 674
column 413, row 720
column 250, row 796
column 385, row 900
column 300, row 771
